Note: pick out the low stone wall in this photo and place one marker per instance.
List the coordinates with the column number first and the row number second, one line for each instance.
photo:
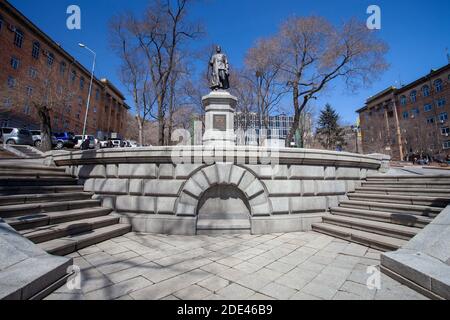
column 156, row 195
column 424, row 262
column 27, row 271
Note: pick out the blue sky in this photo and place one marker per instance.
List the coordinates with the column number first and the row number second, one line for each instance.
column 417, row 32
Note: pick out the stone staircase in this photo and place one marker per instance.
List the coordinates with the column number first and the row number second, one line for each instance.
column 26, row 152
column 386, row 212
column 47, row 206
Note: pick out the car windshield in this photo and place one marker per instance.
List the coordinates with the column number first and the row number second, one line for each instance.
column 24, row 132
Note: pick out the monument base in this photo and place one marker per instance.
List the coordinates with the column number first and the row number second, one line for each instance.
column 219, row 107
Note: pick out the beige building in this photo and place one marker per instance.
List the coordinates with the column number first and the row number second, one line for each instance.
column 410, row 120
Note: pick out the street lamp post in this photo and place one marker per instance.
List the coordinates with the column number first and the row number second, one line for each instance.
column 90, row 88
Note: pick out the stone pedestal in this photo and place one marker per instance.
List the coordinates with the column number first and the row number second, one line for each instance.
column 220, row 107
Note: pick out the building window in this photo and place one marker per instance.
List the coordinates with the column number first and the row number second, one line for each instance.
column 7, row 103
column 426, row 91
column 405, row 115
column 443, row 117
column 15, row 63
column 446, row 145
column 62, row 68
column 73, row 76
column 441, row 102
column 97, row 94
column 438, row 85
column 445, row 131
column 430, row 120
column 29, row 91
column 18, row 38
column 415, row 112
column 32, row 73
column 413, row 96
column 95, row 109
column 27, row 109
column 428, row 107
column 11, row 82
column 36, row 50
column 50, row 59
column 80, row 101
column 403, row 100
column 81, row 83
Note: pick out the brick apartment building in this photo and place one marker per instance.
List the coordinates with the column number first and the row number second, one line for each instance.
column 410, row 120
column 31, row 60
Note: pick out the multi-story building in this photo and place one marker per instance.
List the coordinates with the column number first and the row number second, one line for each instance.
column 33, row 63
column 411, row 120
column 277, row 127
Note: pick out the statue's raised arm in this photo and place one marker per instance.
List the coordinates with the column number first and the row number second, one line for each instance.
column 220, row 71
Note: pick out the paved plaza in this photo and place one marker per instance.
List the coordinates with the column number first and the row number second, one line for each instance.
column 297, row 266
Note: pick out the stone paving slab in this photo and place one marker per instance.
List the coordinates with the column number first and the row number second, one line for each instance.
column 296, row 266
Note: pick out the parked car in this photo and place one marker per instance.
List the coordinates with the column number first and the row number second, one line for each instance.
column 65, row 140
column 37, row 140
column 131, row 144
column 117, row 143
column 105, row 144
column 16, row 136
column 92, row 141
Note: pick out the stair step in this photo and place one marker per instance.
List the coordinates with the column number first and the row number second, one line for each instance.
column 217, row 226
column 409, row 184
column 32, row 174
column 6, row 191
column 382, row 228
column 27, row 181
column 401, row 199
column 396, row 218
column 392, row 207
column 411, row 178
column 50, row 197
column 55, row 231
column 48, row 218
column 211, row 224
column 33, row 208
column 405, row 191
column 219, row 232
column 372, row 240
column 67, row 245
column 11, row 166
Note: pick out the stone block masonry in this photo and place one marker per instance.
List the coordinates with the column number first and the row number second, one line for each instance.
column 154, row 194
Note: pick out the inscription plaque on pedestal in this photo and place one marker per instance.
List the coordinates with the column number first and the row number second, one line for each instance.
column 220, row 122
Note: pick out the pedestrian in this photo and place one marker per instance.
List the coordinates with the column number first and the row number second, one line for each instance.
column 85, row 144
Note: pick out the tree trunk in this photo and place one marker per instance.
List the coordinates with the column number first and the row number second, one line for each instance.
column 141, row 130
column 297, row 111
column 46, row 128
column 160, row 121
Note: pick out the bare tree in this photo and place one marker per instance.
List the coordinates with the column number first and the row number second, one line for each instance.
column 161, row 36
column 153, row 50
column 134, row 73
column 315, row 53
column 49, row 91
column 263, row 70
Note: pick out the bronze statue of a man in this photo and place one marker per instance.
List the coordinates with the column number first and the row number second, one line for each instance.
column 220, row 71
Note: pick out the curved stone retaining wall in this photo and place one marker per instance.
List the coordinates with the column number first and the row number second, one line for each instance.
column 147, row 189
